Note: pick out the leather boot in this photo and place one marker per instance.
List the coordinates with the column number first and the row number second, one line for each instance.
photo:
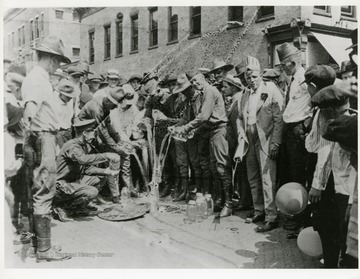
column 166, row 189
column 45, row 252
column 227, row 209
column 113, row 183
column 183, row 188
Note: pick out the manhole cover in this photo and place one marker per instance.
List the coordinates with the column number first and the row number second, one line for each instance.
column 124, row 213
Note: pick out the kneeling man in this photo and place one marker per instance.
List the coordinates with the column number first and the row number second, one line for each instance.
column 78, row 177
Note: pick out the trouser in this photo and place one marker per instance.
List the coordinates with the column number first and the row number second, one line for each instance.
column 328, row 220
column 18, row 187
column 40, row 160
column 84, row 191
column 300, row 164
column 63, row 136
column 198, row 150
column 219, row 157
column 241, row 182
column 171, row 168
column 261, row 171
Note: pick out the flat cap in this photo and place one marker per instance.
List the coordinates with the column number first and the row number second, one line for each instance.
column 320, row 75
column 330, row 96
column 75, row 71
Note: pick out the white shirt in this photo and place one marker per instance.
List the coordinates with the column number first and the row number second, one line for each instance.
column 252, row 107
column 298, row 108
column 102, row 92
column 66, row 112
column 331, row 158
column 37, row 88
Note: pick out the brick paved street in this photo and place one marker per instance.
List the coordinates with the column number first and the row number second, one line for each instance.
column 169, row 241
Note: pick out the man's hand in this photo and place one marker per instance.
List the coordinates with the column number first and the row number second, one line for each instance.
column 109, row 171
column 274, row 151
column 314, row 195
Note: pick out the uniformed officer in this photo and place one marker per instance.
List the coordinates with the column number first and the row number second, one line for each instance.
column 78, row 177
column 41, row 123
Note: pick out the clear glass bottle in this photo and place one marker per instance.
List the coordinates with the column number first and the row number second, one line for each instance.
column 191, row 211
column 201, row 207
column 210, row 204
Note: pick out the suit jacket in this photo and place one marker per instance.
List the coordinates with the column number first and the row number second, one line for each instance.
column 233, row 126
column 269, row 121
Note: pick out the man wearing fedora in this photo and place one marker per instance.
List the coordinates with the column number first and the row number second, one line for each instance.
column 232, row 88
column 219, row 70
column 65, row 93
column 41, row 123
column 261, row 118
column 93, row 83
column 212, row 119
column 78, row 177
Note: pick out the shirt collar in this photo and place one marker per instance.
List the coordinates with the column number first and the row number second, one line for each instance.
column 300, row 74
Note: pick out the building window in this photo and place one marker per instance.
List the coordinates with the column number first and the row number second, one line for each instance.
column 173, row 25
column 322, row 10
column 107, row 42
column 12, row 39
column 134, row 33
column 37, row 28
column 42, row 25
column 195, row 21
column 23, row 34
column 348, row 11
column 59, row 14
column 153, row 27
column 75, row 51
column 32, row 37
column 19, row 37
column 119, row 38
column 265, row 12
column 75, row 16
column 91, row 47
column 236, row 13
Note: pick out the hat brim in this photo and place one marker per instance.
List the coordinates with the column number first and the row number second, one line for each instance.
column 63, row 58
column 232, row 83
column 113, row 76
column 227, row 68
column 72, row 95
column 181, row 88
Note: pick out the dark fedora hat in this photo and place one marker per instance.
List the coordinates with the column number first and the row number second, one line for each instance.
column 220, row 64
column 84, row 125
column 53, row 45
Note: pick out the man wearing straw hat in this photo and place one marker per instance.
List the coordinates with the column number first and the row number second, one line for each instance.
column 41, row 123
column 261, row 118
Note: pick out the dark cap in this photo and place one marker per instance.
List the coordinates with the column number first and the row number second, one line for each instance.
column 75, row 71
column 83, row 125
column 346, row 66
column 320, row 75
column 330, row 96
column 286, row 50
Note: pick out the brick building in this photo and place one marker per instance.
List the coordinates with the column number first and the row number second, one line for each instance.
column 24, row 29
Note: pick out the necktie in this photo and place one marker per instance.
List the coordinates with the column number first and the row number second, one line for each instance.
column 288, row 91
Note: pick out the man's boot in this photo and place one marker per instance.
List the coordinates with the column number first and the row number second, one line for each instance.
column 218, row 201
column 228, row 207
column 62, row 214
column 45, row 252
column 183, row 190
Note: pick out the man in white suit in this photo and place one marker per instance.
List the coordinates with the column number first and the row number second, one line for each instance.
column 261, row 117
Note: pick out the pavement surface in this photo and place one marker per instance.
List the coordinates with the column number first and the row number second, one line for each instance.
column 167, row 240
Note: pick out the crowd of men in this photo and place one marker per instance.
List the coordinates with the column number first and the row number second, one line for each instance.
column 72, row 137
